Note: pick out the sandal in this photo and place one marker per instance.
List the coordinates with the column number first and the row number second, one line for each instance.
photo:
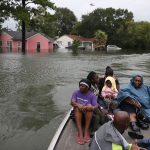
column 135, row 135
column 134, row 127
column 142, row 124
column 79, row 140
column 87, row 138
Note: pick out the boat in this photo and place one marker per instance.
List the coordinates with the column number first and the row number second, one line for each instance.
column 113, row 48
column 64, row 138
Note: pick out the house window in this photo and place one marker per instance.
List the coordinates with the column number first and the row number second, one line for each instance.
column 38, row 46
column 90, row 44
column 1, row 43
column 59, row 42
column 9, row 46
column 19, row 46
column 69, row 44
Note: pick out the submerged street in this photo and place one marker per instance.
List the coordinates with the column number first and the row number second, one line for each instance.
column 35, row 90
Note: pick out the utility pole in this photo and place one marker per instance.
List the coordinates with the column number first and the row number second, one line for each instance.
column 23, row 30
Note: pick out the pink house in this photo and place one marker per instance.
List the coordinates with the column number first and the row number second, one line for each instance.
column 10, row 41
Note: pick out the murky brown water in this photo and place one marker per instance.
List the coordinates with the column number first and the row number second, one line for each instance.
column 35, row 91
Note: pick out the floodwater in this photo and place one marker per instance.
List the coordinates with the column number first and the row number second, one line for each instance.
column 35, row 90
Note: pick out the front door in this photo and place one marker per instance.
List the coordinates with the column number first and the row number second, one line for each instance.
column 38, row 46
column 9, row 46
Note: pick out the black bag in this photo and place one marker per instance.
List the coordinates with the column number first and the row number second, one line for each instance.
column 141, row 119
column 140, row 115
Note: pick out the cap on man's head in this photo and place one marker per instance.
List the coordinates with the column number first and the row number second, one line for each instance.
column 85, row 82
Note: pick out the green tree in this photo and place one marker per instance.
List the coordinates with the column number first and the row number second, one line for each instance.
column 101, row 39
column 76, row 28
column 136, row 35
column 100, row 35
column 141, row 33
column 87, row 26
column 4, row 12
column 107, row 20
column 65, row 21
column 76, row 43
column 42, row 22
column 1, row 22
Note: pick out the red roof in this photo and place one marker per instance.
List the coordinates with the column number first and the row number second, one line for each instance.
column 81, row 39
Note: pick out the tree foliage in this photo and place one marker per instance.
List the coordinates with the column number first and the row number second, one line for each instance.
column 42, row 22
column 101, row 39
column 60, row 23
column 65, row 21
column 1, row 22
column 15, row 9
column 76, row 28
column 107, row 20
column 76, row 43
column 22, row 10
column 100, row 35
column 4, row 12
column 116, row 26
column 141, row 35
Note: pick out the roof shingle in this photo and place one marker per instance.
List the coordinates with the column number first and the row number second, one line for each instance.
column 16, row 35
column 80, row 38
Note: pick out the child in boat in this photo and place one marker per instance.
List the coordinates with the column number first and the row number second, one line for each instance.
column 109, row 91
column 84, row 103
column 109, row 72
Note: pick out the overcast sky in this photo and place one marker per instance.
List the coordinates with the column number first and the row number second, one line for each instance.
column 140, row 8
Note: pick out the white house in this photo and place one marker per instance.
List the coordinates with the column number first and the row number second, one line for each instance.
column 66, row 41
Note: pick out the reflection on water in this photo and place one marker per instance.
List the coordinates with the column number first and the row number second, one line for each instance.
column 35, row 90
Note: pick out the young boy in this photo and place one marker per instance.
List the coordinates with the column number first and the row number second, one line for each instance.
column 84, row 103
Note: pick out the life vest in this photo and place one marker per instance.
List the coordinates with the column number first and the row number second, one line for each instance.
column 119, row 147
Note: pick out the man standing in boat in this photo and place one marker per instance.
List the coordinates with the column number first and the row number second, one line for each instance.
column 109, row 136
column 84, row 103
